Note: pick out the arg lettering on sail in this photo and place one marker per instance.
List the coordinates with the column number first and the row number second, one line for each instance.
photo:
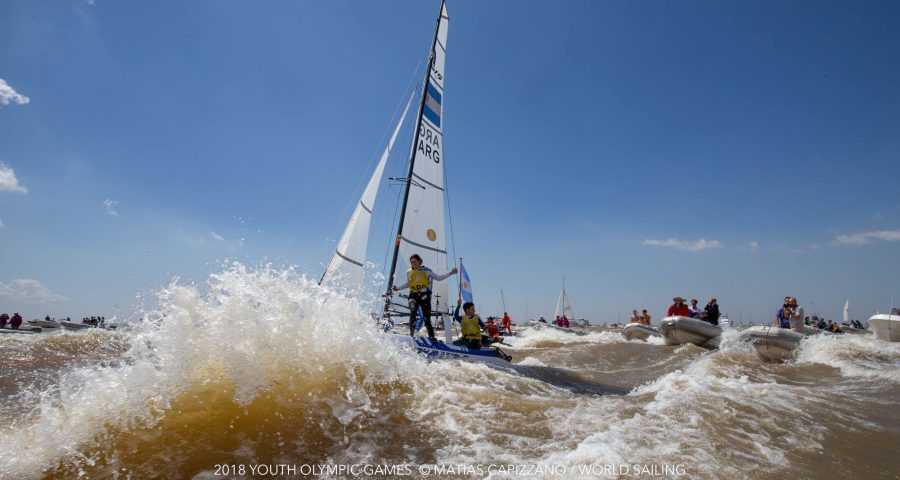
column 429, row 143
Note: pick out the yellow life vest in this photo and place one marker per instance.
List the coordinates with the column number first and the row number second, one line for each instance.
column 470, row 328
column 418, row 280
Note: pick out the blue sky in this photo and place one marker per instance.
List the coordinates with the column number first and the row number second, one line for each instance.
column 743, row 150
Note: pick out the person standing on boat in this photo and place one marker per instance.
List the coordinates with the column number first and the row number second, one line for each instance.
column 678, row 309
column 712, row 311
column 15, row 321
column 646, row 317
column 418, row 280
column 470, row 326
column 506, row 323
column 695, row 310
column 4, row 318
column 796, row 319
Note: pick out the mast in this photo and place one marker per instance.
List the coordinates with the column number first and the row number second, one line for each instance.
column 412, row 161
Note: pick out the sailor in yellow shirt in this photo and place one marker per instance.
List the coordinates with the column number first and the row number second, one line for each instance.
column 470, row 326
column 418, row 280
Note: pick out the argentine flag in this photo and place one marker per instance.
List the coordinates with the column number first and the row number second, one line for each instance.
column 465, row 286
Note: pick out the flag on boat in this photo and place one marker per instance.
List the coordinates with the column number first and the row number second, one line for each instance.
column 421, row 321
column 465, row 286
column 432, row 108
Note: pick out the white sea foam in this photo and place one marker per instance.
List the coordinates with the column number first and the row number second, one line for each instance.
column 860, row 356
column 532, row 337
column 249, row 328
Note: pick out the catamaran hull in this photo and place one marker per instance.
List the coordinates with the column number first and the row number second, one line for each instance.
column 683, row 330
column 639, row 331
column 886, row 327
column 435, row 349
column 772, row 343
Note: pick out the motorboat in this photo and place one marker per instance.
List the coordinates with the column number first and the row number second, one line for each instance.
column 26, row 330
column 681, row 330
column 853, row 330
column 639, row 331
column 886, row 327
column 772, row 343
column 44, row 323
column 549, row 326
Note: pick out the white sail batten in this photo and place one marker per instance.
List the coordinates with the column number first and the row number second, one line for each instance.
column 423, row 228
column 349, row 256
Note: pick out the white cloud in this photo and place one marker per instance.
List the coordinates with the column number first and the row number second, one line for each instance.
column 27, row 290
column 864, row 238
column 216, row 236
column 8, row 180
column 111, row 207
column 686, row 245
column 8, row 94
column 804, row 248
column 751, row 247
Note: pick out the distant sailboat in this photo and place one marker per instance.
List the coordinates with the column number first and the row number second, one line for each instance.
column 848, row 327
column 563, row 309
column 563, row 306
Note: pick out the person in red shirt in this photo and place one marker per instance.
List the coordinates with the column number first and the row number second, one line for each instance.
column 492, row 329
column 678, row 309
column 15, row 321
column 506, row 323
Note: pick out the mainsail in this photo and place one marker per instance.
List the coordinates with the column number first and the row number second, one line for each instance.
column 847, row 311
column 563, row 307
column 350, row 254
column 421, row 228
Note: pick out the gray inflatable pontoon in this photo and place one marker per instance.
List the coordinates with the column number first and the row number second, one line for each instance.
column 773, row 343
column 682, row 330
column 639, row 331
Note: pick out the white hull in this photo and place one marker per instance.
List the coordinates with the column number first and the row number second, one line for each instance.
column 44, row 323
column 773, row 343
column 683, row 330
column 886, row 327
column 853, row 330
column 539, row 325
column 491, row 355
column 21, row 330
column 638, row 331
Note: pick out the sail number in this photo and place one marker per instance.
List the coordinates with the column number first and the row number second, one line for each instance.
column 429, row 143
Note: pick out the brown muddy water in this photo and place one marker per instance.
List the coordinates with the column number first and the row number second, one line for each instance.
column 265, row 374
